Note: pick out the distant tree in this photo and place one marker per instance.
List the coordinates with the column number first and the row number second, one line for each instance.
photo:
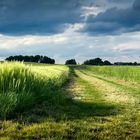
column 19, row 58
column 27, row 58
column 96, row 61
column 9, row 58
column 106, row 62
column 15, row 58
column 37, row 58
column 135, row 63
column 126, row 63
column 46, row 59
column 71, row 62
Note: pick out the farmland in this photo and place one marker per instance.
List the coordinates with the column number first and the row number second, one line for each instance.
column 39, row 101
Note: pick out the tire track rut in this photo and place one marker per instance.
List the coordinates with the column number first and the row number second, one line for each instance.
column 109, row 91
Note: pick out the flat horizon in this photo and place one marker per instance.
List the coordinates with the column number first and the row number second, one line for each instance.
column 64, row 30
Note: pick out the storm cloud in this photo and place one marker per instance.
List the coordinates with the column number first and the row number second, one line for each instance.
column 24, row 17
column 114, row 21
column 38, row 16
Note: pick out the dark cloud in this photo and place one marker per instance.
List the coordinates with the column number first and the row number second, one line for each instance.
column 22, row 17
column 119, row 1
column 115, row 21
column 38, row 16
column 136, row 5
column 113, row 3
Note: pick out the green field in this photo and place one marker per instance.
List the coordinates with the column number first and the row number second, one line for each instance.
column 57, row 102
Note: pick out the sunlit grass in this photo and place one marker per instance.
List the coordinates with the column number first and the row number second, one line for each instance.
column 88, row 107
column 22, row 86
column 130, row 73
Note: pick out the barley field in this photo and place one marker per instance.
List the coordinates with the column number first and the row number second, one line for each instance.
column 22, row 86
column 58, row 102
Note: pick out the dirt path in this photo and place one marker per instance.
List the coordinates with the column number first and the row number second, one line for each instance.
column 110, row 92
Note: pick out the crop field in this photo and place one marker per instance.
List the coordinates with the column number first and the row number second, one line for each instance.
column 58, row 102
column 22, row 86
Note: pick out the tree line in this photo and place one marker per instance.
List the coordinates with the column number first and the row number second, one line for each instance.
column 36, row 59
column 45, row 59
column 100, row 62
column 97, row 61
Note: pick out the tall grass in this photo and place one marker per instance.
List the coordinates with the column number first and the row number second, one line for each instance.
column 22, row 86
column 129, row 73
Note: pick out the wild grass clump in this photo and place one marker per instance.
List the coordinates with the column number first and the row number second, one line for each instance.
column 21, row 87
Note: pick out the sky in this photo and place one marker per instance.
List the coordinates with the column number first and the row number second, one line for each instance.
column 67, row 29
